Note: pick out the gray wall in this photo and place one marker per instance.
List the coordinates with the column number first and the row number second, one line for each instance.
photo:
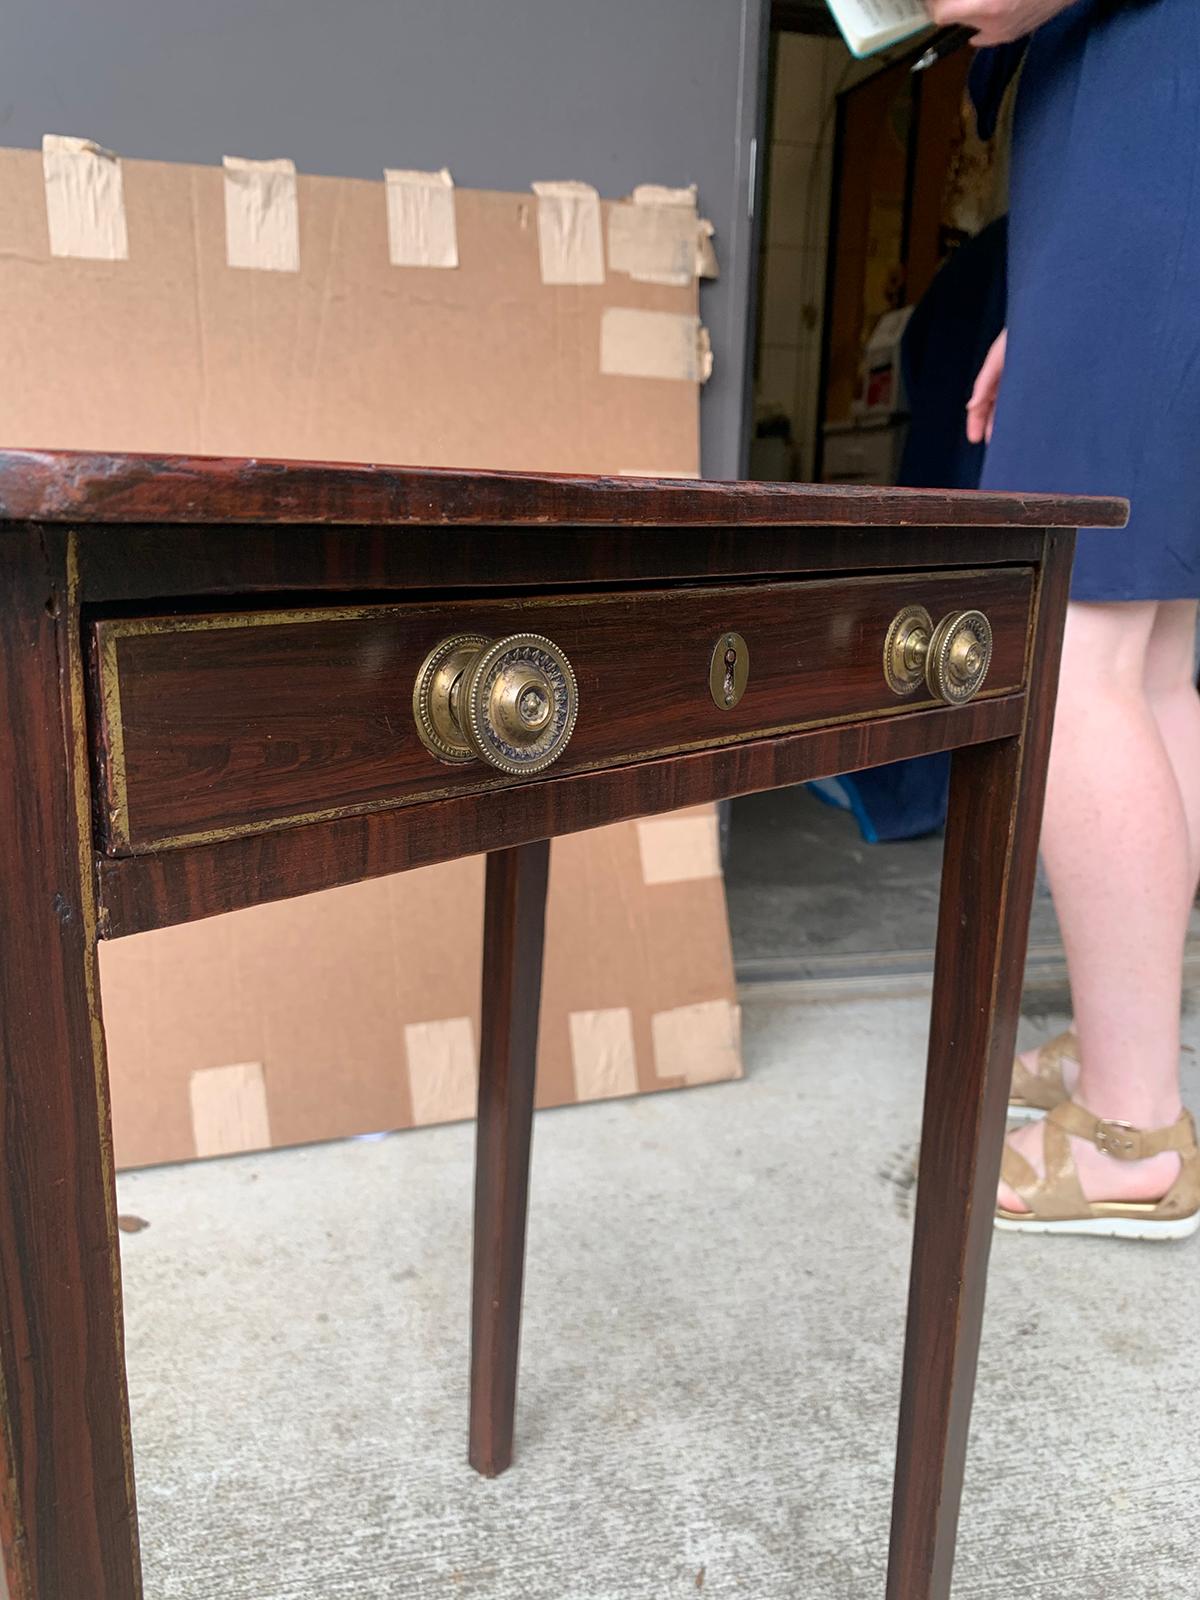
column 501, row 91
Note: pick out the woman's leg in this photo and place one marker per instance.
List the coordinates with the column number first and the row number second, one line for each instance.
column 1118, row 853
column 1171, row 690
column 1170, row 680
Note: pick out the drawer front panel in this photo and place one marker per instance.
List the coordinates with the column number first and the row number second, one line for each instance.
column 212, row 726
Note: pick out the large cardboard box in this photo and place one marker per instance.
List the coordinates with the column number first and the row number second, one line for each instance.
column 252, row 311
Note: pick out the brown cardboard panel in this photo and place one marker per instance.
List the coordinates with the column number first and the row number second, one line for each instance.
column 358, row 1010
column 350, row 358
column 321, row 992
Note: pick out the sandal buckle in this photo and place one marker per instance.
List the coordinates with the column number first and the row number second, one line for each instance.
column 1116, row 1139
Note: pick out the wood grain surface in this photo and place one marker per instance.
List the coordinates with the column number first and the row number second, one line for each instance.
column 169, row 886
column 174, row 567
column 514, row 928
column 988, row 871
column 70, row 486
column 67, row 1521
column 222, row 725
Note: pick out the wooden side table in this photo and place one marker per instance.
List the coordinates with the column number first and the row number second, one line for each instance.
column 227, row 682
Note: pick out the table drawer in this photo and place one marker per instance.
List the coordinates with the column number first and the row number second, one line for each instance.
column 210, row 726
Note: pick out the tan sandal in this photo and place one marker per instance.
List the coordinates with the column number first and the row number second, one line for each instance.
column 1035, row 1092
column 1057, row 1204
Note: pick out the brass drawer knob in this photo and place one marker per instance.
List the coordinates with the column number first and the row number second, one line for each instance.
column 511, row 702
column 960, row 654
column 952, row 659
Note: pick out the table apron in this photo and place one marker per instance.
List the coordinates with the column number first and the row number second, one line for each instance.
column 178, row 885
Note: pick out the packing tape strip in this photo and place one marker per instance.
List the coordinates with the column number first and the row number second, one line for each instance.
column 699, row 1043
column 679, row 849
column 603, row 1057
column 229, row 1109
column 443, row 1069
column 657, row 194
column 706, row 251
column 262, row 215
column 85, row 199
column 570, row 242
column 653, row 244
column 422, row 226
column 655, row 236
column 654, row 344
column 663, row 194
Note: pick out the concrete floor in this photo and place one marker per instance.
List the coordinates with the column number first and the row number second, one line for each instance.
column 714, row 1314
column 816, row 913
column 805, row 889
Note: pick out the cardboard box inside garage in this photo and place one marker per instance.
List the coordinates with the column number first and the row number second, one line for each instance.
column 565, row 337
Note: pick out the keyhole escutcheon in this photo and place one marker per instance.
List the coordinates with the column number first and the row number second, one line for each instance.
column 728, row 670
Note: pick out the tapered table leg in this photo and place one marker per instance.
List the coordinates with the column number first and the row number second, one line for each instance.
column 67, row 1520
column 988, row 874
column 514, row 926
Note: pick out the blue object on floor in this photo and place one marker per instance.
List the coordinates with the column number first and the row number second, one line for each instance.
column 904, row 800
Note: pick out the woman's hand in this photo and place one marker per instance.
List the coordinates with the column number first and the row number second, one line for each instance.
column 995, row 21
column 981, row 407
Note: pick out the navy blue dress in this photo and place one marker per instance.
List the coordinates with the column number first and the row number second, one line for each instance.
column 1101, row 390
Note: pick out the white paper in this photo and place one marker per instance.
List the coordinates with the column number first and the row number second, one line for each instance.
column 870, row 25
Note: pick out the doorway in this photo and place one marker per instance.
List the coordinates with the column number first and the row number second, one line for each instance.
column 873, row 179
